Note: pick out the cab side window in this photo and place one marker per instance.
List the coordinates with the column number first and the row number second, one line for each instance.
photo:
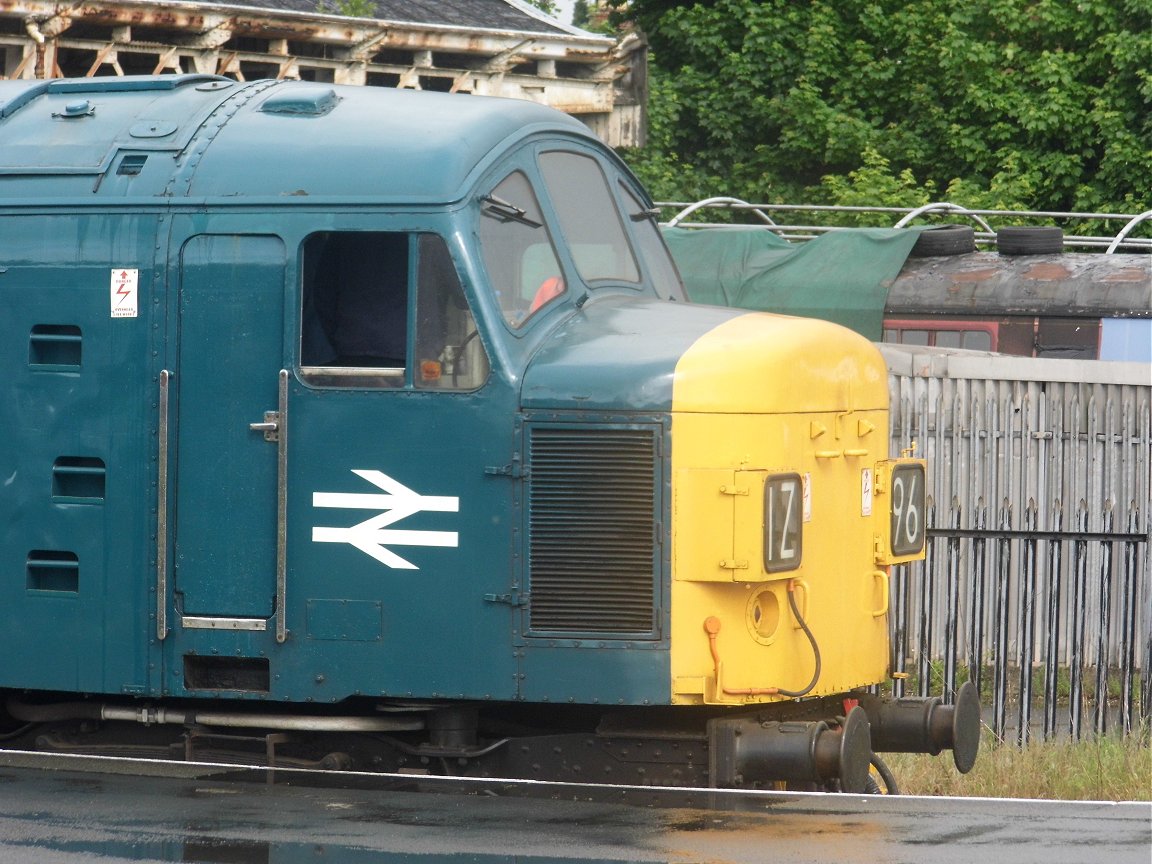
column 355, row 305
column 449, row 352
column 518, row 251
column 356, row 295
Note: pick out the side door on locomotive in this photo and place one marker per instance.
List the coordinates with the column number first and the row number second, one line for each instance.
column 334, row 421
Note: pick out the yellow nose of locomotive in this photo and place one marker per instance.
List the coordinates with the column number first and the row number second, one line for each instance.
column 783, row 503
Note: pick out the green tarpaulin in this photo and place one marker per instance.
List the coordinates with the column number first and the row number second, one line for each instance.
column 841, row 276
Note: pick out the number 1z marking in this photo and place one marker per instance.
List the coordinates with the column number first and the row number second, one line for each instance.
column 783, row 531
column 787, row 552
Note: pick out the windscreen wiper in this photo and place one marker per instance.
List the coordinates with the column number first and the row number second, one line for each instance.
column 508, row 211
column 650, row 213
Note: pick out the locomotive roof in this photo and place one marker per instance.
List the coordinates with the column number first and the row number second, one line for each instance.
column 202, row 136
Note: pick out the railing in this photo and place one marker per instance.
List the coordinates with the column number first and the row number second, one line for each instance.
column 816, row 217
column 1036, row 583
column 1044, row 620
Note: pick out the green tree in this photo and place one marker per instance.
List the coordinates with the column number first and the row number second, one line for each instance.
column 1038, row 104
column 547, row 6
column 581, row 13
column 351, row 8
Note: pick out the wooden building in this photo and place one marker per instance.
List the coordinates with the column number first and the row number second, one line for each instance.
column 489, row 47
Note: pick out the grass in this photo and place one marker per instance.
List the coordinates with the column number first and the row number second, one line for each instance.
column 1104, row 769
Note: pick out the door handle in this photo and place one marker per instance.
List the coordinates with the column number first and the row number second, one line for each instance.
column 270, row 426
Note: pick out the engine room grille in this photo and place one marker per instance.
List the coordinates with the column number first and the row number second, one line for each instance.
column 592, row 511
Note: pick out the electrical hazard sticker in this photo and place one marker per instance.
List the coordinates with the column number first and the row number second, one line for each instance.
column 866, row 492
column 125, row 292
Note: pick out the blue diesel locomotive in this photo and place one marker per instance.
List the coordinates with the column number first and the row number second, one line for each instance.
column 372, row 425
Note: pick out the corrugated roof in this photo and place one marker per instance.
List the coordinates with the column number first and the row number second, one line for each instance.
column 472, row 14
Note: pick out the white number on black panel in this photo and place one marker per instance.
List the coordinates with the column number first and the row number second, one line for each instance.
column 907, row 510
column 783, row 522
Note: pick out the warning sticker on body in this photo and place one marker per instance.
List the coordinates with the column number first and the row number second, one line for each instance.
column 125, row 292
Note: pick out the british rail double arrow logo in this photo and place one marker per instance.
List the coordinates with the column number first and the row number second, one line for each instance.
column 396, row 502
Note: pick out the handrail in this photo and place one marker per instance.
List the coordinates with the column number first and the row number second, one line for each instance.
column 1127, row 229
column 797, row 230
column 944, row 207
column 719, row 202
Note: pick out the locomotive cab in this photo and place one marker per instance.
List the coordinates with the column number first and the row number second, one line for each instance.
column 383, row 412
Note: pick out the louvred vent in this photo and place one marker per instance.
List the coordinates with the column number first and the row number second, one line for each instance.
column 592, row 509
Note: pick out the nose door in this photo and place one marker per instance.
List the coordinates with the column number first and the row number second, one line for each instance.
column 224, row 475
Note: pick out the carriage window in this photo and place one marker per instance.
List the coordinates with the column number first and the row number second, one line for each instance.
column 914, row 337
column 357, row 291
column 518, row 252
column 589, row 217
column 976, row 340
column 972, row 335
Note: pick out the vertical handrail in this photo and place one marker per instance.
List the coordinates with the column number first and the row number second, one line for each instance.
column 162, row 508
column 282, row 510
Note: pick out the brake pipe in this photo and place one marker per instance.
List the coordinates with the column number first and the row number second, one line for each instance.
column 155, row 714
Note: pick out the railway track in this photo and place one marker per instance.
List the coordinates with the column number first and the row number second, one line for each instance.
column 57, row 809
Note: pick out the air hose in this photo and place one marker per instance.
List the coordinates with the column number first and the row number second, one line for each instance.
column 796, row 694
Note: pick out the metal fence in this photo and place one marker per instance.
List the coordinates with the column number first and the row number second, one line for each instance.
column 1036, row 584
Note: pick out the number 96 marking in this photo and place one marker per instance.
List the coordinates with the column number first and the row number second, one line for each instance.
column 907, row 534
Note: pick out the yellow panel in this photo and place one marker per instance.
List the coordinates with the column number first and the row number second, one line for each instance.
column 745, row 407
column 702, row 524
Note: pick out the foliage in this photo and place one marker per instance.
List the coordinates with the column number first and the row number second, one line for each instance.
column 588, row 15
column 1025, row 104
column 351, row 8
column 581, row 13
column 549, row 7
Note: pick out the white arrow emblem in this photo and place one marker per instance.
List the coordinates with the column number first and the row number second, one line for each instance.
column 398, row 502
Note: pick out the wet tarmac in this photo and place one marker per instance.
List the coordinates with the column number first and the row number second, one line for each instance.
column 60, row 810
